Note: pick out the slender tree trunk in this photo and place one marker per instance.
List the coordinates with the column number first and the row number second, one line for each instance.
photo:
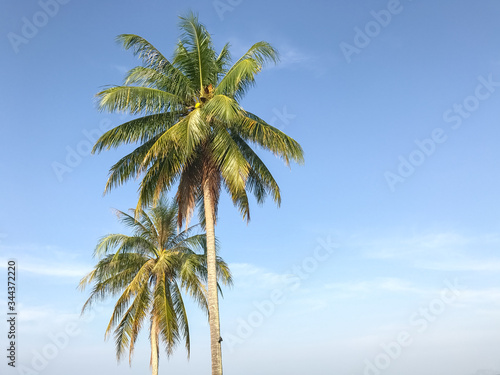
column 213, row 297
column 154, row 346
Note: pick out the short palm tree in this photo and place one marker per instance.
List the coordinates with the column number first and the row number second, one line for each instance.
column 194, row 134
column 148, row 270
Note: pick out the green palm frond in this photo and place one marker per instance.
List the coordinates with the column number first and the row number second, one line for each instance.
column 222, row 108
column 141, row 226
column 197, row 56
column 111, row 275
column 160, row 176
column 128, row 167
column 222, row 62
column 178, row 83
column 260, row 180
column 241, row 76
column 123, row 244
column 179, row 140
column 180, row 311
column 142, row 302
column 140, row 130
column 126, row 331
column 137, row 100
column 255, row 130
column 151, row 57
column 231, row 163
column 167, row 318
column 139, row 282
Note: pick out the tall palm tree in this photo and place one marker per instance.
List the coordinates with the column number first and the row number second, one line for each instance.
column 148, row 270
column 194, row 134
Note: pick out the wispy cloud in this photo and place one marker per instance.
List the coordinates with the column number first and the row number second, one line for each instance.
column 36, row 314
column 292, row 56
column 446, row 251
column 383, row 284
column 404, row 247
column 56, row 270
column 32, row 315
column 462, row 265
column 120, row 68
column 246, row 274
column 54, row 263
column 481, row 297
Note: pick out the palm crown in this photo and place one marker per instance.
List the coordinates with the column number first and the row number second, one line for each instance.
column 193, row 131
column 148, row 270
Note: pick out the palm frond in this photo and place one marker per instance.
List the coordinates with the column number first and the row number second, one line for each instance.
column 241, row 75
column 140, row 227
column 160, row 176
column 231, row 163
column 151, row 57
column 223, row 61
column 222, row 109
column 137, row 100
column 128, row 328
column 139, row 282
column 257, row 131
column 197, row 55
column 164, row 310
column 141, row 130
column 178, row 83
column 141, row 302
column 182, row 318
column 128, row 167
column 260, row 180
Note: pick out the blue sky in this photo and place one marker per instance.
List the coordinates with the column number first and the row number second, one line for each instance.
column 384, row 256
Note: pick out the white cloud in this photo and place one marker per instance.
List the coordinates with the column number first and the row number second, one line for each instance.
column 292, row 56
column 57, row 270
column 444, row 244
column 246, row 274
column 384, row 284
column 45, row 268
column 306, row 306
column 35, row 314
column 120, row 68
column 445, row 251
column 55, row 262
column 481, row 297
column 461, row 265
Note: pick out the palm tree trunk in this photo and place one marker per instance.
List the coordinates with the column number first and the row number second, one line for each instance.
column 154, row 346
column 213, row 298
